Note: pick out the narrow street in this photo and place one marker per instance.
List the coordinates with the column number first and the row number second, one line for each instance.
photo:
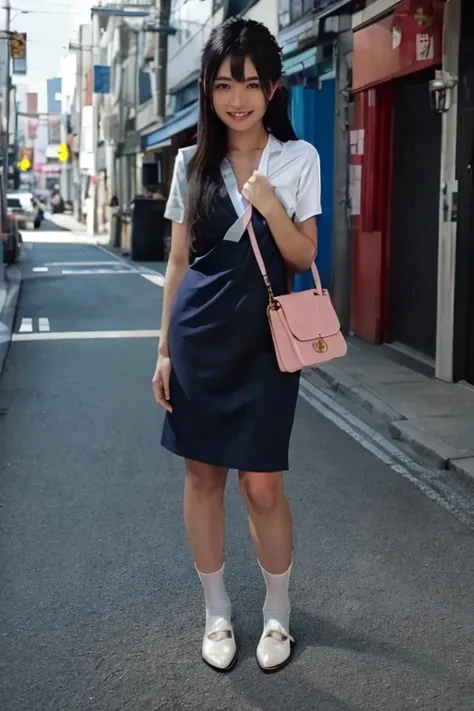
column 100, row 605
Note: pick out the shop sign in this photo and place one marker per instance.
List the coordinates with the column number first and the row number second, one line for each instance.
column 408, row 40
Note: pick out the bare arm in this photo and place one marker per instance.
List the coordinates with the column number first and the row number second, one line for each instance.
column 178, row 263
column 297, row 242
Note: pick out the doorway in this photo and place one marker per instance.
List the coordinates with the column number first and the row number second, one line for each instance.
column 413, row 276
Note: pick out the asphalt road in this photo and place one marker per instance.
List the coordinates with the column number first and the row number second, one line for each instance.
column 100, row 606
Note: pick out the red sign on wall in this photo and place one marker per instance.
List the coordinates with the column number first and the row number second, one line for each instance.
column 406, row 41
column 32, row 108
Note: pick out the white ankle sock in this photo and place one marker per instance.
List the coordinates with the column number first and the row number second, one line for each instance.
column 216, row 598
column 277, row 602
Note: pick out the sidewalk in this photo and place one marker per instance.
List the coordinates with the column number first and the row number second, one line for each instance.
column 435, row 418
column 69, row 222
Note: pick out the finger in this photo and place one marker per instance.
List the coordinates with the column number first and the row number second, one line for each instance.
column 164, row 393
column 158, row 391
column 161, row 400
column 156, row 388
column 167, row 389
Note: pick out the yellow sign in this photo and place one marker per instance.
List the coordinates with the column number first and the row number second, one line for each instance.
column 63, row 152
column 18, row 46
column 25, row 165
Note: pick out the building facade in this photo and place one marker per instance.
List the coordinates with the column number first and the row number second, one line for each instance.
column 403, row 179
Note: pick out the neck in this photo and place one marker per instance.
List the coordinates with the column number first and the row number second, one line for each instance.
column 243, row 142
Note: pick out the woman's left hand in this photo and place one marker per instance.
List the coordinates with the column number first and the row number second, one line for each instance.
column 260, row 193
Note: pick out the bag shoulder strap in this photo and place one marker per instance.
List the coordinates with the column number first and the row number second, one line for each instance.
column 261, row 263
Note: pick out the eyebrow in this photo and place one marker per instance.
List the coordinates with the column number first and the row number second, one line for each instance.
column 222, row 78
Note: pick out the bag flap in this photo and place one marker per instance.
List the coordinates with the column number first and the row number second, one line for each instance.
column 309, row 315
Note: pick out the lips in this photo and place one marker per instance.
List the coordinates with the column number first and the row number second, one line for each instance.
column 239, row 115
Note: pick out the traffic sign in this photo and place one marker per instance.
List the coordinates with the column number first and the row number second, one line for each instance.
column 101, row 79
column 18, row 45
column 25, row 165
column 63, row 152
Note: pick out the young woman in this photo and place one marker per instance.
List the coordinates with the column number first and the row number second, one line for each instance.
column 227, row 404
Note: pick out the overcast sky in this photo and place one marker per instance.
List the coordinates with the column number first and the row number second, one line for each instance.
column 49, row 24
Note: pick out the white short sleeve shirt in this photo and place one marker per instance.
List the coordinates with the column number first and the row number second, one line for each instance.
column 293, row 169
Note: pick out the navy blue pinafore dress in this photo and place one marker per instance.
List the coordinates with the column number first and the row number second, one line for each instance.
column 232, row 406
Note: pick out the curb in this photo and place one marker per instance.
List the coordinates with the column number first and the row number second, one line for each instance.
column 350, row 388
column 12, row 286
column 464, row 470
column 439, row 454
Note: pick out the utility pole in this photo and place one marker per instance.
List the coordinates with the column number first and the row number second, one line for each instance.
column 80, row 92
column 7, row 97
column 164, row 13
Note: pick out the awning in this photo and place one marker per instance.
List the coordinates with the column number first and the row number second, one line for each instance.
column 330, row 8
column 307, row 58
column 301, row 61
column 179, row 122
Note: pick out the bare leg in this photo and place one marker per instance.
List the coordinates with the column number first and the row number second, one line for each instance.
column 204, row 518
column 270, row 520
column 271, row 528
column 204, row 514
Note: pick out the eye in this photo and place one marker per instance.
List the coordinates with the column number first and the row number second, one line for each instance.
column 253, row 85
column 221, row 85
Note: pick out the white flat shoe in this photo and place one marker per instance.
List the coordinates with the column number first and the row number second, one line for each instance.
column 218, row 646
column 275, row 648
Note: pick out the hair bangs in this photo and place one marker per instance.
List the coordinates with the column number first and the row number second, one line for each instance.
column 237, row 66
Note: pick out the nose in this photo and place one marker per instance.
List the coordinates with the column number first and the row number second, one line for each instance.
column 237, row 96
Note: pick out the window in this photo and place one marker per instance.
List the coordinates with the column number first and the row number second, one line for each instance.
column 290, row 11
column 283, row 13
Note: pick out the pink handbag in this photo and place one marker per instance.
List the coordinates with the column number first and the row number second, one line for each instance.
column 304, row 325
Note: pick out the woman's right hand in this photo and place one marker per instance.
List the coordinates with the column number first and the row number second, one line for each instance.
column 161, row 382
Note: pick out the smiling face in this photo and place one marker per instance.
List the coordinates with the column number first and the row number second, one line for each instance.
column 240, row 105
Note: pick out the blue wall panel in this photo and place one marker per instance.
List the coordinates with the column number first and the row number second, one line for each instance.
column 313, row 115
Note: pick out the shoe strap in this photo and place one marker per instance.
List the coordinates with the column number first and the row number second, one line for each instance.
column 282, row 633
column 219, row 635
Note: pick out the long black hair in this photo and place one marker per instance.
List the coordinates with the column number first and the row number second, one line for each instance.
column 236, row 38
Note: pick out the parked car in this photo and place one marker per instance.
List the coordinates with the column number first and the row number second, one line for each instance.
column 12, row 240
column 22, row 207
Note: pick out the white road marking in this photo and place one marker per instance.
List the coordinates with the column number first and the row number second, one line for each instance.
column 157, row 278
column 43, row 324
column 80, row 264
column 40, row 269
column 26, row 325
column 140, row 269
column 436, row 484
column 84, row 335
column 81, row 272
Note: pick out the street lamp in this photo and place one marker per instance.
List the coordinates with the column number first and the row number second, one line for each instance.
column 441, row 92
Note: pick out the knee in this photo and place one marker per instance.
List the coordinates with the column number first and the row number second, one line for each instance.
column 205, row 480
column 262, row 494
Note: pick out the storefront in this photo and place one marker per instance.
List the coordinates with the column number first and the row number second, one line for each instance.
column 159, row 147
column 395, row 179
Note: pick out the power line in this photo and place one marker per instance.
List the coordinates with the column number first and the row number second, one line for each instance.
column 49, row 12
